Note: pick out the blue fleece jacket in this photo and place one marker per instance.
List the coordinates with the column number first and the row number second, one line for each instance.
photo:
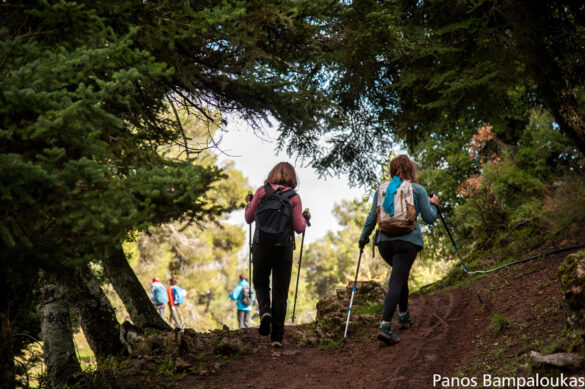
column 422, row 205
column 236, row 295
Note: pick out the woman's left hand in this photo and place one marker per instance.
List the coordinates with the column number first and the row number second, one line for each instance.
column 434, row 200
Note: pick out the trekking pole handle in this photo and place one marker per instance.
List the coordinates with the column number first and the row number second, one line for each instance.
column 306, row 216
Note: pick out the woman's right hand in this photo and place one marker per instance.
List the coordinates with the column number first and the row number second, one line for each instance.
column 363, row 242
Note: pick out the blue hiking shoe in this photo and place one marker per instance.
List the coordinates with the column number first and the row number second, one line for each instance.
column 386, row 335
column 404, row 320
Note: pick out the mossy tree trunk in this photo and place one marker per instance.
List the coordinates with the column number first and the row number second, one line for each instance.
column 59, row 349
column 94, row 312
column 130, row 290
column 571, row 277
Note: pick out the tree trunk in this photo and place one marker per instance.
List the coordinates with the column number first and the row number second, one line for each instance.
column 62, row 364
column 130, row 290
column 94, row 312
column 6, row 346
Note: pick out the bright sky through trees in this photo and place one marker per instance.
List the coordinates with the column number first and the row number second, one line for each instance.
column 255, row 156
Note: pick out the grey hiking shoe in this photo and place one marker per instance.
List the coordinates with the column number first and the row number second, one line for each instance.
column 265, row 321
column 386, row 335
column 404, row 320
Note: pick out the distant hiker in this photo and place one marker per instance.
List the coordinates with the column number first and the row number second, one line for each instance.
column 245, row 297
column 176, row 297
column 395, row 207
column 158, row 296
column 277, row 210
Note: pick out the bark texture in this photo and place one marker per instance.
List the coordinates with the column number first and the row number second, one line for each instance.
column 59, row 349
column 94, row 312
column 571, row 277
column 130, row 290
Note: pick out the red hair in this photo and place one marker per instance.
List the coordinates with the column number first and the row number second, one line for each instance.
column 404, row 168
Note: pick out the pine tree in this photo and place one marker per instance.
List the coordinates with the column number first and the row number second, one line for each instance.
column 84, row 94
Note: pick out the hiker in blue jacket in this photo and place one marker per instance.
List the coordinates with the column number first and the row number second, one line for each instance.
column 176, row 298
column 159, row 296
column 245, row 297
column 399, row 251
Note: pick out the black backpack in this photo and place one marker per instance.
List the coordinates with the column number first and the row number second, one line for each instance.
column 274, row 218
column 246, row 296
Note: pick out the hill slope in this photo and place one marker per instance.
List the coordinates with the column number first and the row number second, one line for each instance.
column 452, row 336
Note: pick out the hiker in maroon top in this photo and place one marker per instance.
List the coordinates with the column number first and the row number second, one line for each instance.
column 277, row 210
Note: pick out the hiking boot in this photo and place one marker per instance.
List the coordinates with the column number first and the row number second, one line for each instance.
column 386, row 335
column 277, row 344
column 265, row 321
column 404, row 320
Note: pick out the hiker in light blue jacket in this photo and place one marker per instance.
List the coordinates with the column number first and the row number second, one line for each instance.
column 245, row 297
column 159, row 296
column 399, row 251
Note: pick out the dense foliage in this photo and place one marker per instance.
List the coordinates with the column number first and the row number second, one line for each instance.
column 405, row 72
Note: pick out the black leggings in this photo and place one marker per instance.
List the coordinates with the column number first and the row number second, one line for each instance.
column 400, row 255
column 278, row 261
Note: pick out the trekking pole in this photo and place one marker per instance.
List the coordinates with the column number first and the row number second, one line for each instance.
column 352, row 294
column 457, row 251
column 305, row 213
column 250, row 255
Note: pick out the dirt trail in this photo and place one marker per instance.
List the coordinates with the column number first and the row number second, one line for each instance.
column 441, row 341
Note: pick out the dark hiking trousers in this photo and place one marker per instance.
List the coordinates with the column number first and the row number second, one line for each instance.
column 278, row 261
column 400, row 255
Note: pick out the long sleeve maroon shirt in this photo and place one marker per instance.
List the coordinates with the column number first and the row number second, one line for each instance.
column 298, row 221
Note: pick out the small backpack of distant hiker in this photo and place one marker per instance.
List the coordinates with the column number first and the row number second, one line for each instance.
column 274, row 218
column 404, row 216
column 159, row 294
column 179, row 294
column 246, row 296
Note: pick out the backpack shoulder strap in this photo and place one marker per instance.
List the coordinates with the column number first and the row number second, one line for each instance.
column 284, row 194
column 289, row 194
column 382, row 192
column 268, row 190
